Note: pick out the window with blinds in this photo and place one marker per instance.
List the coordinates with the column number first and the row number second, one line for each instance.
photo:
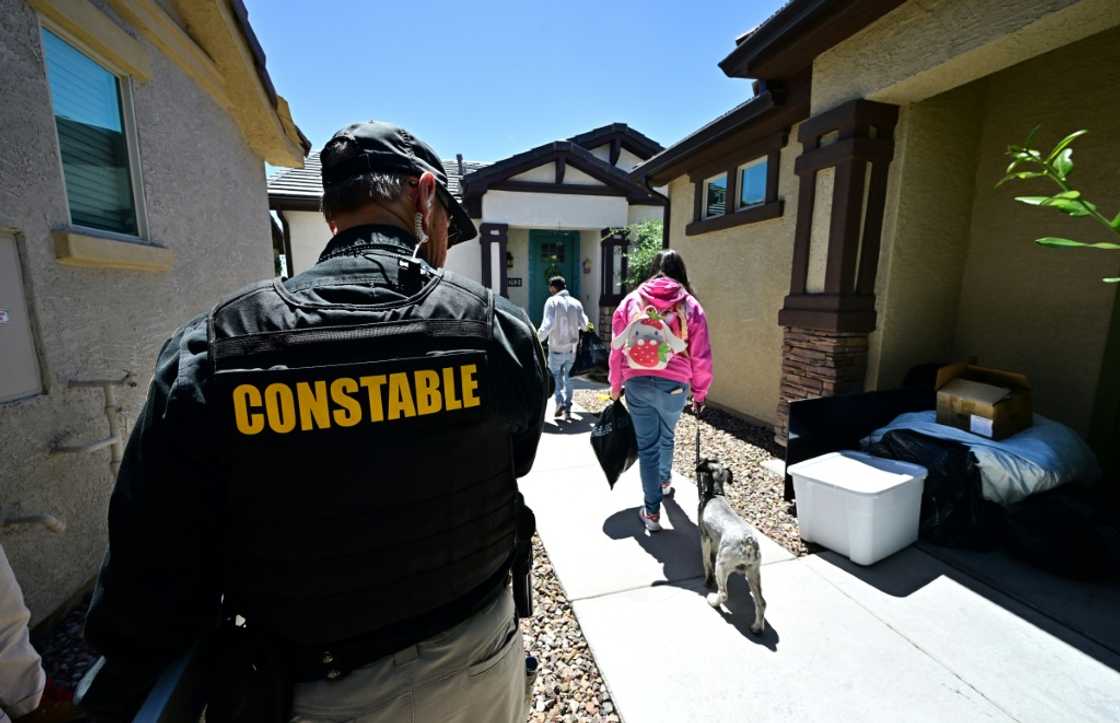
column 88, row 104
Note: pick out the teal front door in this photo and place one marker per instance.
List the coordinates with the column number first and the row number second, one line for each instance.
column 551, row 253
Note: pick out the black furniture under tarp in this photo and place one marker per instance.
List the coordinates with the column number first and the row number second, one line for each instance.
column 829, row 424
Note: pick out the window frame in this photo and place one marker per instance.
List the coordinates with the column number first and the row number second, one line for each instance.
column 704, row 215
column 759, row 160
column 131, row 136
column 769, row 148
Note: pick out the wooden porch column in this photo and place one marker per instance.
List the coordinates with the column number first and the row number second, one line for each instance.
column 827, row 316
column 494, row 240
column 609, row 239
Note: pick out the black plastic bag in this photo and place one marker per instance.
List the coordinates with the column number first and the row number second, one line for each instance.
column 954, row 511
column 1069, row 531
column 593, row 353
column 614, row 441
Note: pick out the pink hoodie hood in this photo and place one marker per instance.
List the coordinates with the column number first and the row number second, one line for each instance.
column 663, row 292
column 694, row 366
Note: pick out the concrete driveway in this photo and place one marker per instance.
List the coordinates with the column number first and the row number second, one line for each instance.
column 908, row 639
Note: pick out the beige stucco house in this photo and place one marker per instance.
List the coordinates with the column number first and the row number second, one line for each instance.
column 544, row 211
column 842, row 225
column 133, row 137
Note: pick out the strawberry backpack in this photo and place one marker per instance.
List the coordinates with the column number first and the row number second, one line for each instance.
column 648, row 342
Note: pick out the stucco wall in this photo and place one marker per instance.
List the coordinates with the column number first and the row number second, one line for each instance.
column 926, row 229
column 518, row 245
column 926, row 47
column 206, row 201
column 554, row 210
column 1040, row 310
column 637, row 214
column 589, row 279
column 466, row 258
column 309, row 236
column 541, row 174
column 741, row 275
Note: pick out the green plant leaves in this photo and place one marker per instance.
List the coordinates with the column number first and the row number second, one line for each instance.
column 1069, row 202
column 1063, row 163
column 1021, row 175
column 1062, row 144
column 1070, row 243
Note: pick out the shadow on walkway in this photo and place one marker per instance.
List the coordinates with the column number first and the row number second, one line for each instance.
column 678, row 550
column 1073, row 612
column 582, row 423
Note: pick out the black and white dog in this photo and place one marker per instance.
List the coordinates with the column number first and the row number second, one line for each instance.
column 727, row 543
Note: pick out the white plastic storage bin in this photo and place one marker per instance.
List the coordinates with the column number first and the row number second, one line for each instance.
column 863, row 507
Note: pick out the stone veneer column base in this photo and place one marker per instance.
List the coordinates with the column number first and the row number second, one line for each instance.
column 818, row 363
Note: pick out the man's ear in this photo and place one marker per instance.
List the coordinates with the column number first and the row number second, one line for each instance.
column 426, row 193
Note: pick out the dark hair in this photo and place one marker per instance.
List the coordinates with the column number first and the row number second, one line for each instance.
column 558, row 283
column 671, row 264
column 353, row 193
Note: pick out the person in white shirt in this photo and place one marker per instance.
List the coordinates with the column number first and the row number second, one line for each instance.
column 563, row 320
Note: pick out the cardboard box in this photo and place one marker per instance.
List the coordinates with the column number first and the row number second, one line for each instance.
column 989, row 402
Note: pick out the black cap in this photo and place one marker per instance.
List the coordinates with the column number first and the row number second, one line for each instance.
column 384, row 148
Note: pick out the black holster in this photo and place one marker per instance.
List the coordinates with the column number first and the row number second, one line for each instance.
column 252, row 682
column 522, row 572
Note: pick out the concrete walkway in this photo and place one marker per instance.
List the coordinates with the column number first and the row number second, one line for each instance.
column 909, row 639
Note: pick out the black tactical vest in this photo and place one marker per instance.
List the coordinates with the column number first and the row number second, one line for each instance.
column 371, row 487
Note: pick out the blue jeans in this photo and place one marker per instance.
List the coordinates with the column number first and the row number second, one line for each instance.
column 560, row 364
column 655, row 405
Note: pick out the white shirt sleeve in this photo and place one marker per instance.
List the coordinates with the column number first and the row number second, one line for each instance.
column 21, row 673
column 549, row 318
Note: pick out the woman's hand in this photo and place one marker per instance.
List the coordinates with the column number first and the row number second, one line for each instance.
column 615, row 394
column 697, row 407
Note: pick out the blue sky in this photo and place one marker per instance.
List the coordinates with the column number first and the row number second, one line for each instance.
column 490, row 79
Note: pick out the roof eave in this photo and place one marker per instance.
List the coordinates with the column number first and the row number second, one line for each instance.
column 788, row 41
column 658, row 170
column 738, row 62
column 293, row 202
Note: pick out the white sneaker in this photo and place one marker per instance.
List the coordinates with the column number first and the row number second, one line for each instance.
column 652, row 522
column 666, row 488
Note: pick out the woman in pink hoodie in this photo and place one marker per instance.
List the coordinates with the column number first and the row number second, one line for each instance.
column 660, row 352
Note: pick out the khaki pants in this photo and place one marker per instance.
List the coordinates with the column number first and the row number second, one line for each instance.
column 21, row 674
column 473, row 672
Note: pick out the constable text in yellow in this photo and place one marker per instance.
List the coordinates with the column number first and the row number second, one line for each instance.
column 349, row 401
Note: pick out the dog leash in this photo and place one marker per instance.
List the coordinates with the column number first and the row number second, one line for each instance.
column 697, row 438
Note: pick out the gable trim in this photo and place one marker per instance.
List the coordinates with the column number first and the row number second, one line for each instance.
column 475, row 184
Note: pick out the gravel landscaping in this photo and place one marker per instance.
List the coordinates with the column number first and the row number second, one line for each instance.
column 757, row 493
column 569, row 687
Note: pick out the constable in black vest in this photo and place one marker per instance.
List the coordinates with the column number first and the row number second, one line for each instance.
column 332, row 460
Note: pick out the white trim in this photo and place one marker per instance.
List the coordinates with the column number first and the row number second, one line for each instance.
column 132, row 143
column 704, row 189
column 761, row 160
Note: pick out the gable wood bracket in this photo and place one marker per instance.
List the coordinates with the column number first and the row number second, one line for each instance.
column 616, row 150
